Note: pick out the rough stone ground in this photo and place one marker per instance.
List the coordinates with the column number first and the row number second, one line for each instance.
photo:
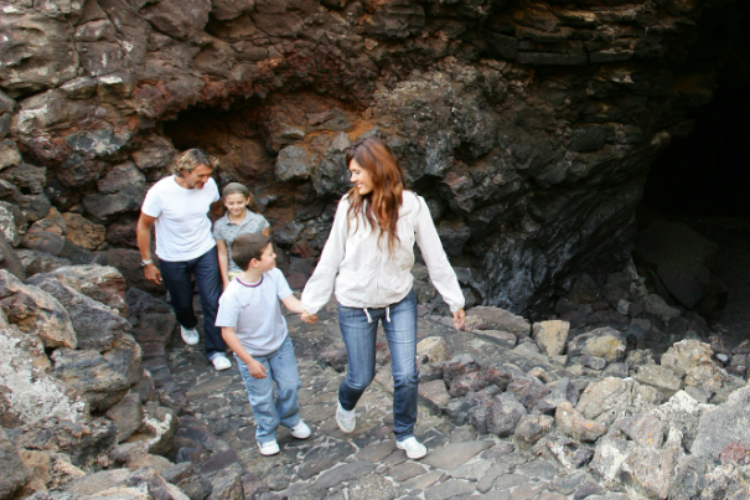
column 366, row 465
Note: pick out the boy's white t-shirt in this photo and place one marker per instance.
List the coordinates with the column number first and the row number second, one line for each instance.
column 254, row 310
column 183, row 229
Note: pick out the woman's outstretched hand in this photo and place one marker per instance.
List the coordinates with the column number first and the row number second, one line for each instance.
column 308, row 318
column 459, row 318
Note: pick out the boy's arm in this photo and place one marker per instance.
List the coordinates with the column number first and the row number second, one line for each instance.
column 229, row 335
column 293, row 304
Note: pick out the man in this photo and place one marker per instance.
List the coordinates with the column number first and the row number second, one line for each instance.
column 178, row 206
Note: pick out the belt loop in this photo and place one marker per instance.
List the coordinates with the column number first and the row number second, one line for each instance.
column 367, row 313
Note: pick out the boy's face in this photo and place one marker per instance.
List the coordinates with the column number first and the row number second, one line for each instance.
column 267, row 259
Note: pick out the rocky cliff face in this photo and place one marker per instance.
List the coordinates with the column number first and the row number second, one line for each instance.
column 528, row 126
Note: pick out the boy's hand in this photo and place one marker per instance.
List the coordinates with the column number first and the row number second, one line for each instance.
column 308, row 318
column 257, row 370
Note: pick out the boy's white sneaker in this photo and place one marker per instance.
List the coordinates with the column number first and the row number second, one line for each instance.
column 220, row 362
column 346, row 419
column 190, row 337
column 269, row 448
column 301, row 430
column 413, row 448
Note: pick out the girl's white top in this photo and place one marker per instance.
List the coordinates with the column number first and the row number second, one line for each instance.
column 366, row 274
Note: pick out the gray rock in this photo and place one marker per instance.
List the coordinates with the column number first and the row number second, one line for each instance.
column 650, row 471
column 15, row 472
column 455, row 454
column 293, row 162
column 571, row 454
column 609, row 455
column 723, row 424
column 528, row 390
column 187, row 478
column 659, row 377
column 603, row 342
column 575, row 425
column 531, row 428
column 154, row 152
column 435, row 392
column 612, row 397
column 551, row 336
column 36, row 311
column 656, row 306
column 373, row 487
column 121, row 176
column 506, row 411
column 126, row 416
column 449, row 489
column 690, row 478
column 320, row 458
column 346, row 472
column 129, row 199
column 494, row 318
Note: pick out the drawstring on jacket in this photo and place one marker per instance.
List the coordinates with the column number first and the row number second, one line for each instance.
column 387, row 314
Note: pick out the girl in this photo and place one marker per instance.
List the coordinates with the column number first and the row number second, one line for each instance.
column 368, row 256
column 237, row 220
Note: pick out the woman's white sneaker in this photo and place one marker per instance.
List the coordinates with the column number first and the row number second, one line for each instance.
column 190, row 337
column 301, row 430
column 269, row 448
column 346, row 419
column 413, row 448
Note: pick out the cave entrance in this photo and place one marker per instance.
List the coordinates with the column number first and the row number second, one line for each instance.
column 700, row 183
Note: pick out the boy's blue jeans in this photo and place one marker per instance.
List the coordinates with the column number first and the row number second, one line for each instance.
column 205, row 270
column 281, row 366
column 359, row 336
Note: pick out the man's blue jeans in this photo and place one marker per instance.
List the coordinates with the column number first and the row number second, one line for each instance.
column 281, row 367
column 205, row 270
column 359, row 334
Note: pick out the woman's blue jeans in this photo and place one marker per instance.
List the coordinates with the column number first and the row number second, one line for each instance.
column 359, row 336
column 270, row 412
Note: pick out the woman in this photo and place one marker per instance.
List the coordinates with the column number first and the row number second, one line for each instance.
column 369, row 255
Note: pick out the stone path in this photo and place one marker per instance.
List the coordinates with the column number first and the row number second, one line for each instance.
column 366, row 464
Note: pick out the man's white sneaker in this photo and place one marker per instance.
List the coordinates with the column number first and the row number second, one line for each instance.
column 346, row 419
column 269, row 448
column 301, row 430
column 190, row 337
column 220, row 362
column 413, row 448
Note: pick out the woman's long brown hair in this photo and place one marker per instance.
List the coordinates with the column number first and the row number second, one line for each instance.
column 380, row 206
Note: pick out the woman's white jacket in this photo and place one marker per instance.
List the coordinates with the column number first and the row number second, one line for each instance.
column 366, row 274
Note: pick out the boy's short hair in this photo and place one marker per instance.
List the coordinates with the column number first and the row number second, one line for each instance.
column 248, row 246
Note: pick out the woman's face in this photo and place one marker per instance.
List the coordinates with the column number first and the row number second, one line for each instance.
column 361, row 178
column 235, row 203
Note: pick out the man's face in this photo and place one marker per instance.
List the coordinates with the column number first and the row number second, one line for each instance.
column 198, row 177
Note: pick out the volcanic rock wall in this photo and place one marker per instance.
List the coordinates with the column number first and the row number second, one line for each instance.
column 528, row 126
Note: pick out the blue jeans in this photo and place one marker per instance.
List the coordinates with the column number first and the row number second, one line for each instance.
column 359, row 336
column 281, row 367
column 205, row 270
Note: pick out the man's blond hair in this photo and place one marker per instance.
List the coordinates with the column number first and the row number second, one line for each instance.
column 189, row 160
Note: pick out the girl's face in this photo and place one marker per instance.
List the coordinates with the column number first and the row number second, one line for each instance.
column 236, row 203
column 361, row 178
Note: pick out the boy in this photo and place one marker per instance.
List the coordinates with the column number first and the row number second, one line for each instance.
column 255, row 330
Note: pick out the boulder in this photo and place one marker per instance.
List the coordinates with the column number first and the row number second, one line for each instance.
column 120, row 177
column 646, row 429
column 606, row 343
column 708, row 377
column 435, row 349
column 611, row 398
column 27, row 391
column 159, row 428
column 505, row 412
column 660, row 377
column 97, row 327
column 531, row 428
column 153, row 152
column 564, row 390
column 102, row 283
column 35, row 262
column 83, row 232
column 650, row 470
column 686, row 354
column 152, row 318
column 126, row 415
column 15, row 473
column 575, row 425
column 551, row 336
column 35, row 311
column 9, row 223
column 609, row 455
column 528, row 390
column 726, row 423
column 656, row 306
column 571, row 454
column 435, row 392
column 494, row 318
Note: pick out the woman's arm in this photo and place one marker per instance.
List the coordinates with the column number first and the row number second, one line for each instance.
column 442, row 274
column 221, row 249
column 320, row 285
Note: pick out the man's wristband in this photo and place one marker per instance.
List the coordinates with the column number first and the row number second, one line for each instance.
column 144, row 263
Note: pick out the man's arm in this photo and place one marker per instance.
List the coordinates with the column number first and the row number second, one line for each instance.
column 143, row 236
column 229, row 334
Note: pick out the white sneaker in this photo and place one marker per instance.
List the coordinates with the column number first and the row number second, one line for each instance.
column 190, row 337
column 269, row 448
column 346, row 419
column 301, row 430
column 413, row 448
column 221, row 362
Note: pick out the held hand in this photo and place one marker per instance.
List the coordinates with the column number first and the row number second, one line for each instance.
column 257, row 370
column 458, row 319
column 152, row 274
column 308, row 318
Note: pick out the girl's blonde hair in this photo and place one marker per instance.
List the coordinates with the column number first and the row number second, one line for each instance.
column 380, row 206
column 189, row 160
column 241, row 189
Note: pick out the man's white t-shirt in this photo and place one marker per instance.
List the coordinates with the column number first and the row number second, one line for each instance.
column 255, row 311
column 183, row 229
